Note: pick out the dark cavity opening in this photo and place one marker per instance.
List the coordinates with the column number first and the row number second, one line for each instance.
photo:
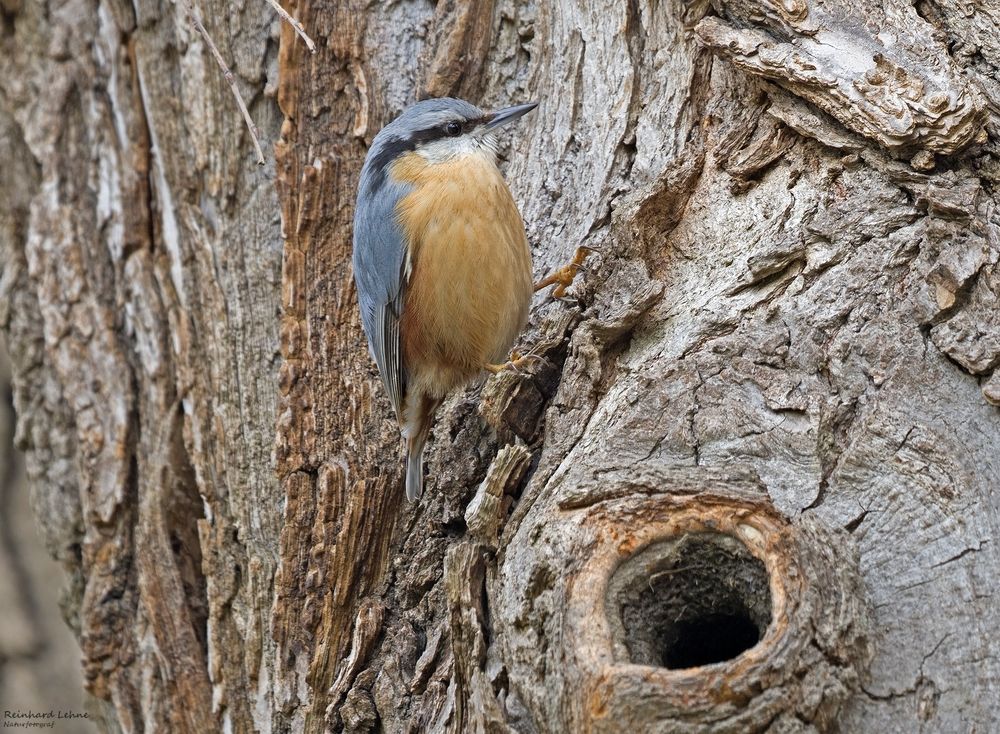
column 693, row 600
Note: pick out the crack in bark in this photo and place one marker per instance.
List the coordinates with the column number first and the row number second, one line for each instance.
column 961, row 554
column 913, row 689
column 855, row 523
column 692, row 428
column 838, row 430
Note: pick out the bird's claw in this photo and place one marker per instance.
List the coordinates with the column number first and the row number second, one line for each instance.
column 516, row 363
column 563, row 277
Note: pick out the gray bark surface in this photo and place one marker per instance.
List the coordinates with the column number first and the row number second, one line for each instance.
column 788, row 338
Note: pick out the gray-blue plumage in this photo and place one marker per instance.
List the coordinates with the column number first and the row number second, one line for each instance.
column 379, row 261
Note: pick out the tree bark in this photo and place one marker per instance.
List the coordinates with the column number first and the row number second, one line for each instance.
column 771, row 403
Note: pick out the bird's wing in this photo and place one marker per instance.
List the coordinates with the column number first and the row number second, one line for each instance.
column 380, row 256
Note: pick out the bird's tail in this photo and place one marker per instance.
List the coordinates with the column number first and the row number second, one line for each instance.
column 414, row 469
column 416, row 429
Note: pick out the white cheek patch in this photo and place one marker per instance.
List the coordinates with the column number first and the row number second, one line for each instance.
column 444, row 149
column 439, row 151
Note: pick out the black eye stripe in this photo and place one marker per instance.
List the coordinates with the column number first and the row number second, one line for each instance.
column 443, row 130
column 393, row 147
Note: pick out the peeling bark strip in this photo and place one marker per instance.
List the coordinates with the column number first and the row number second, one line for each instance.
column 778, row 381
column 879, row 71
column 341, row 506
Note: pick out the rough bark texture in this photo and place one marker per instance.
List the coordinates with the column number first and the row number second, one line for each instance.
column 784, row 353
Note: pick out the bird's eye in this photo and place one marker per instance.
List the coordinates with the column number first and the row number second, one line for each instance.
column 453, row 129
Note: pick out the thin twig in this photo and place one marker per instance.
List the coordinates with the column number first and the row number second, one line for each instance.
column 192, row 14
column 294, row 24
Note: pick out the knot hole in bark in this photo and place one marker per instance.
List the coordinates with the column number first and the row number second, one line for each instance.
column 697, row 609
column 689, row 601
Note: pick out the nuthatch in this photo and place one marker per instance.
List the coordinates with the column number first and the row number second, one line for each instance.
column 441, row 260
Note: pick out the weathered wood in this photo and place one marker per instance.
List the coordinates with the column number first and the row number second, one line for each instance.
column 792, row 310
column 877, row 69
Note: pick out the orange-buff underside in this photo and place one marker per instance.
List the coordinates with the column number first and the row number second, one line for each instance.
column 470, row 283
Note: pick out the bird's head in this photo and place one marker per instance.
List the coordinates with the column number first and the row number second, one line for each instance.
column 438, row 130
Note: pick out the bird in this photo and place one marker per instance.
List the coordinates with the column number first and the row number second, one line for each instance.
column 441, row 260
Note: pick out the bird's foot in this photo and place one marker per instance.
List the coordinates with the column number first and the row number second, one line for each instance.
column 515, row 363
column 564, row 276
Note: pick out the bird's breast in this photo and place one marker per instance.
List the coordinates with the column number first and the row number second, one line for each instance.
column 470, row 283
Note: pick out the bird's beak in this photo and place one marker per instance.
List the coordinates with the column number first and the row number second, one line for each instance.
column 509, row 114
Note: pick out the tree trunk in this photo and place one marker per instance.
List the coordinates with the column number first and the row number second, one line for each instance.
column 765, row 435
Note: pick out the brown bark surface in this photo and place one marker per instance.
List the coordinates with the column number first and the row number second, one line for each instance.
column 777, row 381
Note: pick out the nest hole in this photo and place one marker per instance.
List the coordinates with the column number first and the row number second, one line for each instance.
column 690, row 601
